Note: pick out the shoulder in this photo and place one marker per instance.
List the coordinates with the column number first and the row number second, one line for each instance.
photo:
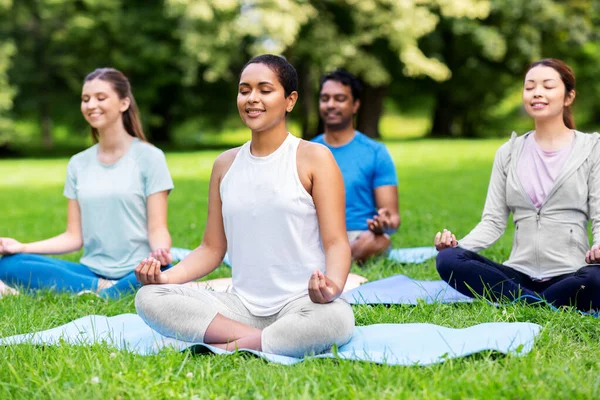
column 511, row 148
column 319, row 138
column 589, row 142
column 224, row 161
column 367, row 144
column 146, row 151
column 82, row 158
column 313, row 152
column 590, row 139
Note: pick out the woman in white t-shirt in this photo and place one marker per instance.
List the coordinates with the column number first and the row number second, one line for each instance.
column 117, row 203
column 276, row 205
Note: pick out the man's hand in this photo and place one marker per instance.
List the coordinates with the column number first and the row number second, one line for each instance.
column 380, row 222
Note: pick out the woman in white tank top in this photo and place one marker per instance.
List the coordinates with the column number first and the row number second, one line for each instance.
column 276, row 205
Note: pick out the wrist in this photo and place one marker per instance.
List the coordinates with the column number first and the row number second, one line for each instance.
column 23, row 248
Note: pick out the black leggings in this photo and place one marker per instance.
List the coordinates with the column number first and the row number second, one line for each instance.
column 472, row 274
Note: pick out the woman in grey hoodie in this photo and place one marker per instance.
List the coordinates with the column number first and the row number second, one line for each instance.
column 549, row 179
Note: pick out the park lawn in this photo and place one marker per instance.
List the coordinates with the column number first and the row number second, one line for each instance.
column 442, row 184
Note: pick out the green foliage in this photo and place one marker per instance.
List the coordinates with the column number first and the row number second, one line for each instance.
column 183, row 56
column 488, row 58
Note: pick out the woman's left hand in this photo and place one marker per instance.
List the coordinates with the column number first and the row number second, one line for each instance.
column 163, row 256
column 593, row 255
column 321, row 289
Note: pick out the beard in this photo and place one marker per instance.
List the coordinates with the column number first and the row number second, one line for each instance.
column 338, row 126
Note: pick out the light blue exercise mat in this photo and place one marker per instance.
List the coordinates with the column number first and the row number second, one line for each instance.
column 392, row 344
column 400, row 289
column 413, row 255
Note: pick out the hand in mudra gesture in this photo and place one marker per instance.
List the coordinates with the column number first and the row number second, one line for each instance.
column 445, row 240
column 321, row 289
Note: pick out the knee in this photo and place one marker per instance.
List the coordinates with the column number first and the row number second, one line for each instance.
column 590, row 278
column 318, row 328
column 333, row 324
column 368, row 245
column 12, row 260
column 447, row 261
column 340, row 318
column 146, row 299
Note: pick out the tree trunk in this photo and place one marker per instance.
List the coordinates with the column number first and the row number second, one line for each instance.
column 162, row 132
column 308, row 108
column 46, row 123
column 371, row 108
column 443, row 116
column 40, row 56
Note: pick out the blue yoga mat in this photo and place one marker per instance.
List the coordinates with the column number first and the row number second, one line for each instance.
column 400, row 289
column 393, row 344
column 414, row 255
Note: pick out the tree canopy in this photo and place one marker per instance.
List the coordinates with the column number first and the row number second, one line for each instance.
column 182, row 56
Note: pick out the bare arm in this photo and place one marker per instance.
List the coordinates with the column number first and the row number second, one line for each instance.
column 387, row 219
column 67, row 242
column 206, row 257
column 158, row 232
column 329, row 198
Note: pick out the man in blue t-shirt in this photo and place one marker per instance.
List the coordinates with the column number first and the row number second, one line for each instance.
column 368, row 169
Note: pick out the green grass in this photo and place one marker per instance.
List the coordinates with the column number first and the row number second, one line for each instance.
column 442, row 184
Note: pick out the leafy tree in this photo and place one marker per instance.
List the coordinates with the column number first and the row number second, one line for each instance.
column 488, row 58
column 7, row 91
column 59, row 42
column 365, row 36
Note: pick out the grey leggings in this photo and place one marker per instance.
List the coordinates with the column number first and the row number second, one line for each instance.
column 301, row 327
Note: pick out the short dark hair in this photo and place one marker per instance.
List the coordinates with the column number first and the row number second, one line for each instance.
column 345, row 78
column 286, row 73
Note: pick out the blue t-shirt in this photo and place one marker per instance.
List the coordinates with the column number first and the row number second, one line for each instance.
column 112, row 200
column 365, row 164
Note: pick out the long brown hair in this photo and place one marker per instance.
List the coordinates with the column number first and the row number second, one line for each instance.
column 120, row 84
column 568, row 78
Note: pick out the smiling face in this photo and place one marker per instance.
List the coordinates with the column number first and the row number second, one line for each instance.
column 544, row 94
column 336, row 105
column 100, row 104
column 261, row 98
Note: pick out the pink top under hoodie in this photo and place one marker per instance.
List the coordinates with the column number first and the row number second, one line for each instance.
column 538, row 169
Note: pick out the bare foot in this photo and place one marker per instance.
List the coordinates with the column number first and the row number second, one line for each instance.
column 354, row 281
column 6, row 290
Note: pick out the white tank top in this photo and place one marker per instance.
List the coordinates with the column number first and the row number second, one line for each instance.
column 272, row 231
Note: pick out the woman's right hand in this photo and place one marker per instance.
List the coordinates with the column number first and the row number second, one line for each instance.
column 445, row 240
column 10, row 246
column 148, row 272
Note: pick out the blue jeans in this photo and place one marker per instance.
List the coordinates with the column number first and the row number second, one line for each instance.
column 36, row 272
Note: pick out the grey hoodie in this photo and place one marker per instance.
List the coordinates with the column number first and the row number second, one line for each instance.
column 553, row 240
